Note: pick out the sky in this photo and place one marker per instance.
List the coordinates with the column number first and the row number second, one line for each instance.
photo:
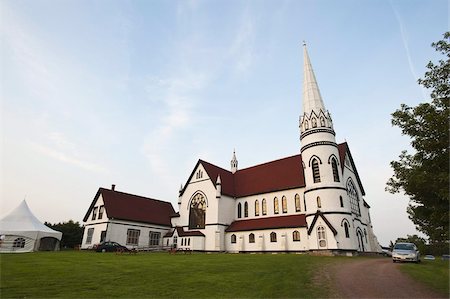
column 133, row 93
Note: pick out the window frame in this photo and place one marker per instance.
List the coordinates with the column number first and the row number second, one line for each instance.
column 89, row 235
column 251, row 238
column 315, row 170
column 133, row 236
column 296, row 236
column 284, row 204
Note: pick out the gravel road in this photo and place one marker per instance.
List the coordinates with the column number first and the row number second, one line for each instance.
column 377, row 278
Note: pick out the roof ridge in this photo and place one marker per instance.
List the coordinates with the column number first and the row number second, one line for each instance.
column 269, row 162
column 135, row 195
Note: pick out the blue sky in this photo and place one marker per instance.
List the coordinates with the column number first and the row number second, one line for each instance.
column 133, row 93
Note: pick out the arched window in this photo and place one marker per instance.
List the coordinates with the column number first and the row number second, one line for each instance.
column 273, row 237
column 276, row 208
column 246, row 209
column 256, row 208
column 233, row 239
column 354, row 199
column 365, row 235
column 182, row 241
column 19, row 243
column 284, row 204
column 264, row 206
column 239, row 210
column 335, row 169
column 197, row 212
column 316, row 172
column 321, row 237
column 189, row 241
column 296, row 236
column 319, row 203
column 347, row 235
column 341, row 201
column 314, row 122
column 251, row 238
column 306, row 125
column 297, row 203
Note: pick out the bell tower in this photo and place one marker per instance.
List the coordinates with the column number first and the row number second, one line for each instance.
column 322, row 167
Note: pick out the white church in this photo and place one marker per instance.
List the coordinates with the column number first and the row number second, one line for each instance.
column 312, row 201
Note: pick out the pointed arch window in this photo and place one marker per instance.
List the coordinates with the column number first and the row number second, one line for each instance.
column 239, row 210
column 347, row 234
column 284, row 204
column 264, row 206
column 197, row 212
column 354, row 198
column 335, row 169
column 233, row 239
column 296, row 236
column 251, row 238
column 297, row 203
column 341, row 201
column 246, row 209
column 314, row 122
column 315, row 170
column 256, row 208
column 276, row 208
column 321, row 237
column 273, row 237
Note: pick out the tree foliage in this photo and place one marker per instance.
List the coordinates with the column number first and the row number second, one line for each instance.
column 72, row 233
column 424, row 175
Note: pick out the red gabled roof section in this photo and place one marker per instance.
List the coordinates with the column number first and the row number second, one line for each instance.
column 282, row 174
column 343, row 150
column 125, row 206
column 226, row 177
column 273, row 176
column 290, row 221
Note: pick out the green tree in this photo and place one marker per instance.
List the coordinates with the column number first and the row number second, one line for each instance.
column 72, row 233
column 424, row 175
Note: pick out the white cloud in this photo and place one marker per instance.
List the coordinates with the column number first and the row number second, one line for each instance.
column 242, row 47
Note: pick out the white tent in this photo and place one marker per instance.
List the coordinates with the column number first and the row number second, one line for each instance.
column 21, row 231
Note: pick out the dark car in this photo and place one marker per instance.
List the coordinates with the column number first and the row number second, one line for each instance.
column 110, row 247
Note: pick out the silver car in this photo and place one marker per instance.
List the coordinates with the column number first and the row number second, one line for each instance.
column 405, row 252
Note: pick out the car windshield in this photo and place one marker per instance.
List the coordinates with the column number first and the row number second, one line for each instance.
column 403, row 246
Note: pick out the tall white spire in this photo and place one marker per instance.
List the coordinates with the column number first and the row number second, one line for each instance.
column 312, row 100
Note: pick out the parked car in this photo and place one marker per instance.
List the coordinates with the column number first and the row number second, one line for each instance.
column 445, row 257
column 109, row 246
column 405, row 252
column 429, row 257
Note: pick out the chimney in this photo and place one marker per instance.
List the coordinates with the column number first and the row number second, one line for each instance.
column 113, row 187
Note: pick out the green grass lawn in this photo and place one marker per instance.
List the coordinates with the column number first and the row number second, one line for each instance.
column 435, row 274
column 82, row 274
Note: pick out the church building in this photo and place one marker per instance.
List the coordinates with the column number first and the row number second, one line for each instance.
column 312, row 201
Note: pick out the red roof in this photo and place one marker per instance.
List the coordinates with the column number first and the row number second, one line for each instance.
column 124, row 206
column 282, row 174
column 290, row 221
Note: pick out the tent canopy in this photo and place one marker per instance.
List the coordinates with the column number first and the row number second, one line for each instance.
column 22, row 222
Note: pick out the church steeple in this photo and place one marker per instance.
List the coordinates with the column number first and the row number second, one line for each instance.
column 234, row 163
column 314, row 113
column 312, row 100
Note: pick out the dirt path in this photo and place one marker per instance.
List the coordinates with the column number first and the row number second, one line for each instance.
column 376, row 278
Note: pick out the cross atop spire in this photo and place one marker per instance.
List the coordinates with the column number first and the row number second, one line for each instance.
column 312, row 100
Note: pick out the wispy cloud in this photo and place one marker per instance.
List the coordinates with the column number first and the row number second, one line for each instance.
column 405, row 42
column 242, row 47
column 60, row 148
